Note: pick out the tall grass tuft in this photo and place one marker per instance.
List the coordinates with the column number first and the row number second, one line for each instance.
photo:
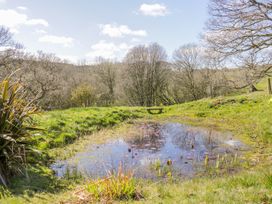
column 15, row 116
column 116, row 186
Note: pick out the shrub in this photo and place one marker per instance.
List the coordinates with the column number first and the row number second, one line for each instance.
column 83, row 95
column 15, row 116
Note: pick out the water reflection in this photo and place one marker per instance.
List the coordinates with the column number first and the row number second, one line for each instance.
column 186, row 148
column 149, row 137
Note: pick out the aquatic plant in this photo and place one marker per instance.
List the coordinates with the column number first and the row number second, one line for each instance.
column 162, row 170
column 223, row 164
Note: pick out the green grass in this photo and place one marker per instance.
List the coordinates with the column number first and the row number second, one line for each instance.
column 248, row 117
column 249, row 187
column 262, row 85
column 63, row 127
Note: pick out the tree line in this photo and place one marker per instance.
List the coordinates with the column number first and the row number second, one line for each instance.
column 143, row 78
column 233, row 54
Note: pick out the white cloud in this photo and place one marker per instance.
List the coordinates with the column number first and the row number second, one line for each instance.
column 14, row 20
column 108, row 50
column 70, row 58
column 153, row 10
column 40, row 31
column 135, row 40
column 117, row 31
column 37, row 21
column 61, row 40
column 23, row 8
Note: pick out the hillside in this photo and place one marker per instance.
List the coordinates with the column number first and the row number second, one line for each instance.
column 247, row 116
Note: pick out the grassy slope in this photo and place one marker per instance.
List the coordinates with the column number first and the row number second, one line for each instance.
column 247, row 116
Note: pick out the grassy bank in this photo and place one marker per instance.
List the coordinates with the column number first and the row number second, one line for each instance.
column 63, row 127
column 248, row 117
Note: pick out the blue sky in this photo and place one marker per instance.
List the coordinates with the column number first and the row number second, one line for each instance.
column 86, row 29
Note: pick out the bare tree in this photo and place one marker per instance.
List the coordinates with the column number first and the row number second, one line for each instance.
column 107, row 74
column 41, row 75
column 241, row 26
column 5, row 37
column 252, row 66
column 188, row 60
column 147, row 74
column 215, row 74
column 9, row 60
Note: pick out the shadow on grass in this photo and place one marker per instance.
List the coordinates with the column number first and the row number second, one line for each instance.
column 39, row 179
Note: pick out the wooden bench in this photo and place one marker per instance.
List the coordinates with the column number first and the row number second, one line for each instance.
column 157, row 110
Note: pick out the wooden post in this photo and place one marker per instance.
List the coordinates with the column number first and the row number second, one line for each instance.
column 269, row 86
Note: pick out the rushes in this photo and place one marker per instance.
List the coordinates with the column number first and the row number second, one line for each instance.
column 223, row 164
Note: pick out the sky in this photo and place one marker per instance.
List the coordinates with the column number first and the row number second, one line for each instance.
column 86, row 29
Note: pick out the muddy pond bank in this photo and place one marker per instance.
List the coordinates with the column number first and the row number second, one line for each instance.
column 153, row 151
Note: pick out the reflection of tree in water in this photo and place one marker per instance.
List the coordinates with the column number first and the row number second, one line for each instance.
column 186, row 140
column 149, row 137
column 191, row 139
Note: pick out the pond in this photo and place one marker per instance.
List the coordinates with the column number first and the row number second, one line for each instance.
column 152, row 150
